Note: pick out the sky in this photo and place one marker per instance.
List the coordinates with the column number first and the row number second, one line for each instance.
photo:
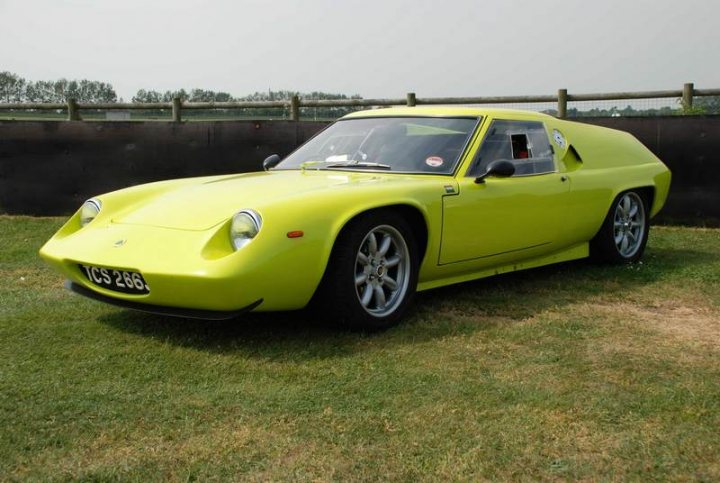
column 368, row 47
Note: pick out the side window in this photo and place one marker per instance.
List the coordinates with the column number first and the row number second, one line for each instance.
column 524, row 143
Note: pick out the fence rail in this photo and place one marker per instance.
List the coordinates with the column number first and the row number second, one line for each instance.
column 686, row 95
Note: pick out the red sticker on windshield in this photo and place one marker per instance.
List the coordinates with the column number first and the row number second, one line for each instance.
column 434, row 161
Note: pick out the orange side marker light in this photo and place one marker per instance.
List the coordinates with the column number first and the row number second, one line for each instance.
column 295, row 234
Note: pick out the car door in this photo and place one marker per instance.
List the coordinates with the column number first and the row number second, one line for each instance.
column 505, row 219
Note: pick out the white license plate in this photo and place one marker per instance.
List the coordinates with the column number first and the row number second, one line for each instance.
column 119, row 280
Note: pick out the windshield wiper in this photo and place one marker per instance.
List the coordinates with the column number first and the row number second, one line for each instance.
column 359, row 164
column 343, row 164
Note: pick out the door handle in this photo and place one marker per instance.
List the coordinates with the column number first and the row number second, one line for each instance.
column 563, row 178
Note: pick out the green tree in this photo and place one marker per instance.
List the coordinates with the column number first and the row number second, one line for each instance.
column 84, row 91
column 143, row 96
column 12, row 87
column 707, row 105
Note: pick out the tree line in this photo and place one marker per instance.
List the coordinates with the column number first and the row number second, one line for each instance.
column 14, row 88
column 700, row 106
column 202, row 95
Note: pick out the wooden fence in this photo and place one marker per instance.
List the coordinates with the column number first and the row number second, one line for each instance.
column 73, row 108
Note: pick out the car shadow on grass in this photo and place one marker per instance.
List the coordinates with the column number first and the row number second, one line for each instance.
column 285, row 335
column 464, row 308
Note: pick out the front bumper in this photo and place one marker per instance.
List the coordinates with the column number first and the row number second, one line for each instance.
column 186, row 270
column 159, row 309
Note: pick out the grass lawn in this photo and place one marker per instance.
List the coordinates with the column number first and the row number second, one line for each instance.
column 569, row 372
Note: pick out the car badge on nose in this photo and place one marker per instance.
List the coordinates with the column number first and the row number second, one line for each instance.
column 119, row 243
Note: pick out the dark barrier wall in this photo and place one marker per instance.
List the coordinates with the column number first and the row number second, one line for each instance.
column 50, row 168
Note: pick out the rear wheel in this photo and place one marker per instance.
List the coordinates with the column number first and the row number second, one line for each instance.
column 623, row 235
column 372, row 274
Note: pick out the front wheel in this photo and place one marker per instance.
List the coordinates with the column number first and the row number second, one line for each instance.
column 624, row 233
column 372, row 274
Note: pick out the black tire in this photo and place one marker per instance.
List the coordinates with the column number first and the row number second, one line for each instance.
column 624, row 233
column 354, row 302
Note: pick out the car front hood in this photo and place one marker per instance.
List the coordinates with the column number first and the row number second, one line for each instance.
column 203, row 205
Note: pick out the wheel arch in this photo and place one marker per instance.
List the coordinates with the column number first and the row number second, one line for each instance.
column 603, row 247
column 415, row 217
column 647, row 192
column 409, row 212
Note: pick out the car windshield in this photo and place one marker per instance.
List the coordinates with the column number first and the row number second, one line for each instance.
column 403, row 144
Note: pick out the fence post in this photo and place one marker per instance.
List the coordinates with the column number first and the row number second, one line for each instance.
column 295, row 108
column 176, row 109
column 562, row 103
column 687, row 97
column 73, row 110
column 411, row 99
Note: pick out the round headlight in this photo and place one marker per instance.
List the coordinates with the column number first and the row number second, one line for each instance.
column 89, row 211
column 244, row 227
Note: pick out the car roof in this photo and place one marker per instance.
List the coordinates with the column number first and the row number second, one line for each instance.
column 450, row 111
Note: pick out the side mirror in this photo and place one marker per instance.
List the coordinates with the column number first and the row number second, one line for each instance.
column 271, row 161
column 501, row 168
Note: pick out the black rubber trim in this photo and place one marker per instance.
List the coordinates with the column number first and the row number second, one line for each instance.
column 575, row 153
column 160, row 309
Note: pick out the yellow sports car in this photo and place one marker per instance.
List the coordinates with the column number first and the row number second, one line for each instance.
column 379, row 205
